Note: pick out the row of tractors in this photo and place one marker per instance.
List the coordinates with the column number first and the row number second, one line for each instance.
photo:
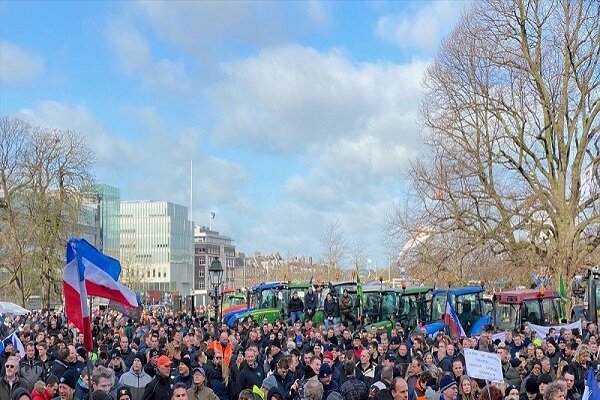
column 417, row 306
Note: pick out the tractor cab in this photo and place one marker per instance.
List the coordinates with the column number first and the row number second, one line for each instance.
column 515, row 307
column 468, row 303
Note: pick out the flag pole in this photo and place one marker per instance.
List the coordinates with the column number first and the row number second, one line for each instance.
column 88, row 357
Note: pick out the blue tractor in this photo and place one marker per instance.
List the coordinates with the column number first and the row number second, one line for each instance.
column 472, row 309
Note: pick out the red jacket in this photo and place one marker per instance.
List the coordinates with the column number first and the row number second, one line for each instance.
column 36, row 396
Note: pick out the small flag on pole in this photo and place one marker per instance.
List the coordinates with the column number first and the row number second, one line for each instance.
column 452, row 322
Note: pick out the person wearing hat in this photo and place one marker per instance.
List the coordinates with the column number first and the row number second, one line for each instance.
column 116, row 364
column 543, row 381
column 511, row 393
column 21, row 394
column 136, row 379
column 448, row 388
column 150, row 367
column 66, row 386
column 276, row 353
column 160, row 386
column 184, row 369
column 124, row 394
column 7, row 351
column 531, row 389
column 199, row 390
column 326, row 379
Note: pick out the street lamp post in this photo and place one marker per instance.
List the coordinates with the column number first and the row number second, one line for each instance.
column 215, row 274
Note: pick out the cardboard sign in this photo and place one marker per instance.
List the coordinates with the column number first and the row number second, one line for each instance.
column 483, row 365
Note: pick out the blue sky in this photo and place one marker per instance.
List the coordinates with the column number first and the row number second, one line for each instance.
column 296, row 114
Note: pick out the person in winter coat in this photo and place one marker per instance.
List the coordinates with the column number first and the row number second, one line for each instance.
column 280, row 379
column 199, row 391
column 30, row 368
column 217, row 375
column 10, row 380
column 160, row 386
column 252, row 372
column 135, row 379
column 296, row 308
column 346, row 305
column 330, row 309
column 310, row 303
column 326, row 379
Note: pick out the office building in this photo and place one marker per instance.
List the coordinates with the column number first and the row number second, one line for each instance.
column 156, row 247
column 208, row 245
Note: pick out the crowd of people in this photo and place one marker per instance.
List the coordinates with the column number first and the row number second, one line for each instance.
column 166, row 355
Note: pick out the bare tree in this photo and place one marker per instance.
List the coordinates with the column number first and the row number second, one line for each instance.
column 335, row 247
column 510, row 117
column 43, row 174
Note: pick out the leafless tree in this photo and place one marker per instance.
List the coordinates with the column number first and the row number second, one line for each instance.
column 510, row 118
column 335, row 247
column 43, row 174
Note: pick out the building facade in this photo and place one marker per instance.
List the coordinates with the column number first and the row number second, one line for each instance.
column 99, row 221
column 209, row 245
column 110, row 219
column 156, row 247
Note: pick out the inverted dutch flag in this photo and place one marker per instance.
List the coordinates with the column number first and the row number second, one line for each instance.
column 16, row 343
column 89, row 272
column 452, row 322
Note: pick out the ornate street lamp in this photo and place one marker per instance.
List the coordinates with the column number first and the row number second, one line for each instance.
column 215, row 274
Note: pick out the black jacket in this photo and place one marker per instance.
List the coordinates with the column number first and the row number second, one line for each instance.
column 158, row 389
column 295, row 305
column 250, row 376
column 310, row 301
column 331, row 309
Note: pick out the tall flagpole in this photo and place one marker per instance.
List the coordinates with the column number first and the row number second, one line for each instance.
column 191, row 189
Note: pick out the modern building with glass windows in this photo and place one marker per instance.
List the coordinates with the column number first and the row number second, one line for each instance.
column 99, row 220
column 109, row 217
column 156, row 246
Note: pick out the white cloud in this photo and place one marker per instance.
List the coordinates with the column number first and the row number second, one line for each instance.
column 19, row 65
column 353, row 125
column 154, row 165
column 420, row 28
column 289, row 98
column 134, row 56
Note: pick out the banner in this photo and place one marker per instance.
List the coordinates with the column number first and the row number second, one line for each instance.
column 542, row 331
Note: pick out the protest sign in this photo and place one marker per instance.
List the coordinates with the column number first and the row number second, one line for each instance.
column 483, row 365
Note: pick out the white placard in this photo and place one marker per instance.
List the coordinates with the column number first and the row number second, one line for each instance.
column 483, row 365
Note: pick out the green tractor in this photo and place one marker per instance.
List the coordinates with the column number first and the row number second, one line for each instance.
column 387, row 307
column 270, row 302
